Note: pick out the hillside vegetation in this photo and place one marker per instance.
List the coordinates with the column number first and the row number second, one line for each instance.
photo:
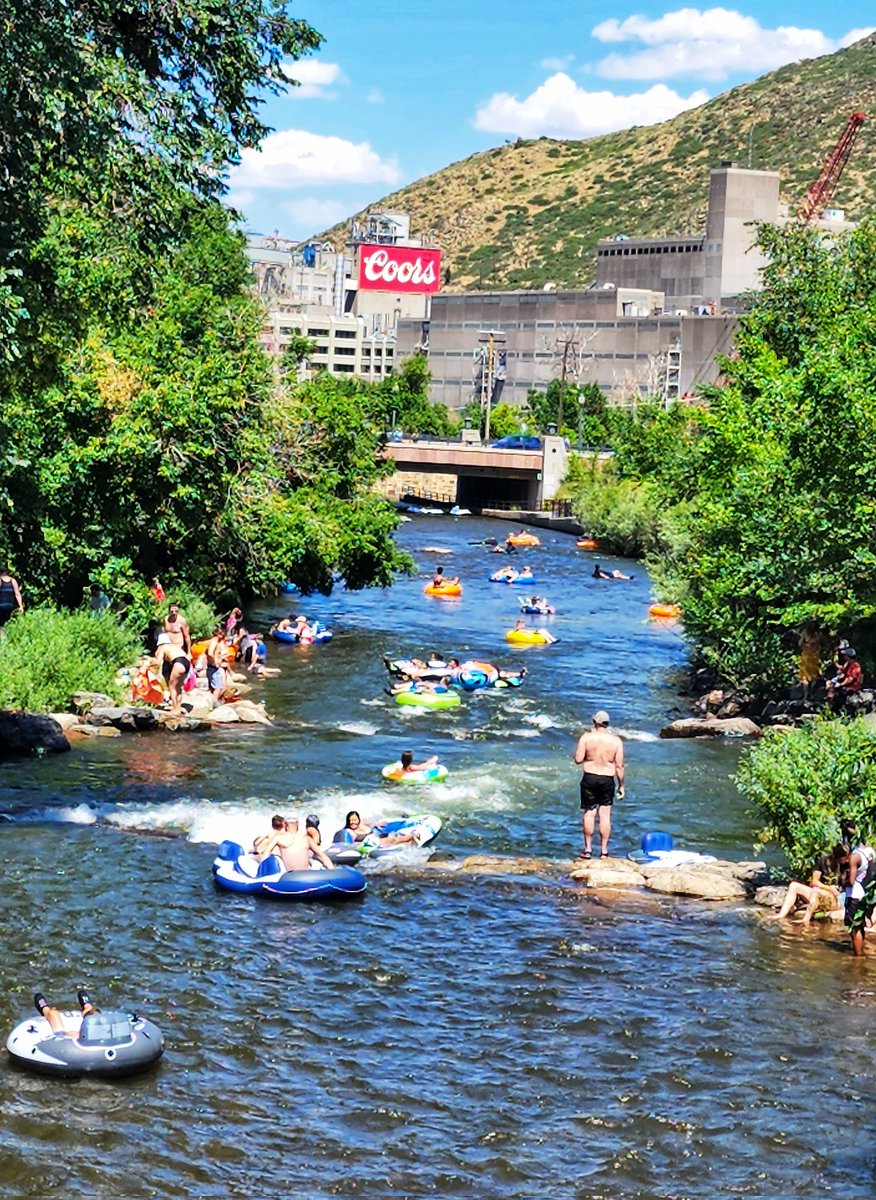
column 531, row 212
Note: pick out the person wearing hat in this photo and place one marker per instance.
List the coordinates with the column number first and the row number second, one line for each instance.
column 848, row 681
column 600, row 755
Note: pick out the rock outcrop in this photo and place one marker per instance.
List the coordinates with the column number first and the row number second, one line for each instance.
column 23, row 735
column 710, row 726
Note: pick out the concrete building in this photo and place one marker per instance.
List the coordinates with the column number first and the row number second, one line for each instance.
column 702, row 273
column 344, row 344
column 620, row 339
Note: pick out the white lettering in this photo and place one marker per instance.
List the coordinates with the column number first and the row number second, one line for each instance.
column 379, row 267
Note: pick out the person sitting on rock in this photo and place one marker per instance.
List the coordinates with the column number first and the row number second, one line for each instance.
column 848, row 680
column 822, row 893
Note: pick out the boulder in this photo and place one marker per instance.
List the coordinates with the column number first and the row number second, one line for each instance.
column 706, row 881
column 710, row 726
column 66, row 720
column 177, row 724
column 83, row 701
column 607, row 873
column 24, row 734
column 223, row 714
column 770, row 896
column 104, row 714
column 87, row 730
column 250, row 712
column 199, row 703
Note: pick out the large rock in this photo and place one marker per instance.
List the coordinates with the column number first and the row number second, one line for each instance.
column 224, row 714
column 199, row 703
column 86, row 730
column 770, row 896
column 174, row 724
column 710, row 726
column 705, row 881
column 607, row 873
column 83, row 701
column 26, row 734
column 66, row 720
column 249, row 711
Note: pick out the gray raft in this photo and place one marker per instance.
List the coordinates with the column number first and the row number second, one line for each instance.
column 107, row 1044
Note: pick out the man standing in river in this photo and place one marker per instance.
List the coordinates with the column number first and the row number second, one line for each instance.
column 600, row 754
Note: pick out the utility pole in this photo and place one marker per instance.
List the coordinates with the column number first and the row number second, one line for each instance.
column 489, row 371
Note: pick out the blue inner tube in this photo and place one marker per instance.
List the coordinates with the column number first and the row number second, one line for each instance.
column 235, row 871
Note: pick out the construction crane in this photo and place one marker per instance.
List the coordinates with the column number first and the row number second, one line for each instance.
column 820, row 193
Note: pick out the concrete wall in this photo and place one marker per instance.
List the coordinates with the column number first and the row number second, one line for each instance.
column 737, row 198
column 625, row 356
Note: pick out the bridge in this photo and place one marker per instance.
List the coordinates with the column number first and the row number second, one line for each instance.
column 486, row 476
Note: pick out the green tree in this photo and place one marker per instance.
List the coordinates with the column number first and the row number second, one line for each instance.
column 803, row 782
column 402, row 401
column 120, row 105
column 774, row 503
column 574, row 408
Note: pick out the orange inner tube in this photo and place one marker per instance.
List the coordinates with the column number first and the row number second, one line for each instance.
column 665, row 610
column 587, row 544
column 523, row 539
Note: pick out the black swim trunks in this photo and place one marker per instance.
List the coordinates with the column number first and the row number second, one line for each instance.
column 596, row 790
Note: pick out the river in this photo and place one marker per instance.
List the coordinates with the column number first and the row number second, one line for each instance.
column 445, row 1035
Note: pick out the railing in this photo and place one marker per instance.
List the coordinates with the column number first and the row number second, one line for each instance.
column 556, row 508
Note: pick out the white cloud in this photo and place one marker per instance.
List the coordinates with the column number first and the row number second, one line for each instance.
column 314, row 77
column 294, row 158
column 375, row 96
column 855, row 35
column 561, row 108
column 707, row 44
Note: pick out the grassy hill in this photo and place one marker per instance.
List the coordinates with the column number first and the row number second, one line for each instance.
column 529, row 212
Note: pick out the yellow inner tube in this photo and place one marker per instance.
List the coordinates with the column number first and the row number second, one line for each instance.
column 523, row 539
column 446, row 589
column 525, row 637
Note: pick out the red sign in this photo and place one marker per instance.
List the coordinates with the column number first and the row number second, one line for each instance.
column 399, row 269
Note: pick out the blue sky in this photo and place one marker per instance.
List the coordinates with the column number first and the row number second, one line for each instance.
column 399, row 91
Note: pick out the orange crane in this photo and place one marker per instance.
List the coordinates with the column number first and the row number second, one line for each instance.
column 819, row 195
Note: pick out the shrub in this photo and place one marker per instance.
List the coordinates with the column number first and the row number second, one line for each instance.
column 803, row 781
column 624, row 514
column 47, row 655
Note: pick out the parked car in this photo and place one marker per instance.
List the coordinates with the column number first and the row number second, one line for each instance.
column 518, row 441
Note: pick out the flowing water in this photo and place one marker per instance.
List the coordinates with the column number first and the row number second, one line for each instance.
column 445, row 1035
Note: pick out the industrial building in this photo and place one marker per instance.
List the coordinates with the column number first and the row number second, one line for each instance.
column 652, row 323
column 322, row 293
column 658, row 313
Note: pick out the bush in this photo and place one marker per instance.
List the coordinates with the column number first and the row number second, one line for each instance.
column 48, row 655
column 624, row 514
column 803, row 781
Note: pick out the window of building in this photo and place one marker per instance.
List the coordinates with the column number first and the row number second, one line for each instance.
column 345, row 333
column 344, row 368
column 345, row 350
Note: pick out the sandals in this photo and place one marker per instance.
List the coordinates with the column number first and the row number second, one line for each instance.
column 586, row 854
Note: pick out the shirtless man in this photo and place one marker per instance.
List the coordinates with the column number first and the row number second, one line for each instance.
column 178, row 627
column 294, row 847
column 601, row 756
column 278, row 825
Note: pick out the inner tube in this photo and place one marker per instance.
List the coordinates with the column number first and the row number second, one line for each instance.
column 236, row 871
column 446, row 589
column 107, row 1044
column 429, row 699
column 533, row 610
column 525, row 637
column 587, row 544
column 667, row 611
column 522, row 539
column 435, row 774
column 292, row 639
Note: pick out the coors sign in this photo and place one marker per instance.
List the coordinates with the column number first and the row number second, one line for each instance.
column 399, row 269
